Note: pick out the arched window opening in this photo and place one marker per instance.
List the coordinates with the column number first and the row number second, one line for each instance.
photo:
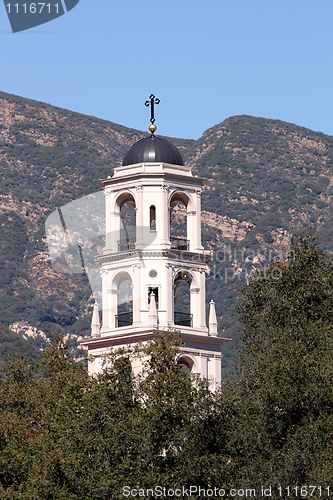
column 182, row 303
column 152, row 218
column 178, row 222
column 127, row 224
column 125, row 304
column 185, row 364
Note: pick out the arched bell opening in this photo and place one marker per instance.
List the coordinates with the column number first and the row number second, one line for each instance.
column 178, row 221
column 127, row 212
column 185, row 363
column 182, row 299
column 124, row 296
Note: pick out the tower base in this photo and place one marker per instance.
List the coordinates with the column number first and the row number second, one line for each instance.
column 201, row 354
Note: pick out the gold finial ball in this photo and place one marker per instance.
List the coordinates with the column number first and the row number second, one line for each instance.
column 152, row 128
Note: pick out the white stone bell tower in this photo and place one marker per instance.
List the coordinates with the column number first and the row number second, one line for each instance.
column 154, row 179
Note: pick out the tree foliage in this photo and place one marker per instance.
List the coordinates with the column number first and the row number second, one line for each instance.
column 65, row 435
column 283, row 394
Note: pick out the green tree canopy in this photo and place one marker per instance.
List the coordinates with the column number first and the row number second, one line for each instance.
column 282, row 400
column 65, row 435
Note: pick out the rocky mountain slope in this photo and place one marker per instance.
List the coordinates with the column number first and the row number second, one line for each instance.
column 266, row 179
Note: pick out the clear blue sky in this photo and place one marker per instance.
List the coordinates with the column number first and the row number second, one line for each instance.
column 205, row 59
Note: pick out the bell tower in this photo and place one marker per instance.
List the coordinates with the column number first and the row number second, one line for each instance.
column 155, row 279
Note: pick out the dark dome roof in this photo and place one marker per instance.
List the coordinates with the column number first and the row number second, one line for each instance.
column 153, row 150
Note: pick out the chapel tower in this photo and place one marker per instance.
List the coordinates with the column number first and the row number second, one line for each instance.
column 154, row 180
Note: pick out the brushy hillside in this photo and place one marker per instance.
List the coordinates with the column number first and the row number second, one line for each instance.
column 266, row 179
column 12, row 343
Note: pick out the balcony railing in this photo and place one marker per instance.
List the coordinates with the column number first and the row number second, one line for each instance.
column 183, row 319
column 179, row 243
column 124, row 319
column 123, row 246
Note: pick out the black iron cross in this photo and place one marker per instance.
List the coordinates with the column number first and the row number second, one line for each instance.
column 151, row 103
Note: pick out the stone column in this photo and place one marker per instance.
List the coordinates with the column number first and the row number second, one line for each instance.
column 218, row 362
column 198, row 306
column 139, row 218
column 199, row 247
column 105, row 301
column 169, row 297
column 203, row 366
column 113, row 306
column 195, row 306
column 108, row 240
column 136, row 295
column 191, row 229
column 164, row 219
